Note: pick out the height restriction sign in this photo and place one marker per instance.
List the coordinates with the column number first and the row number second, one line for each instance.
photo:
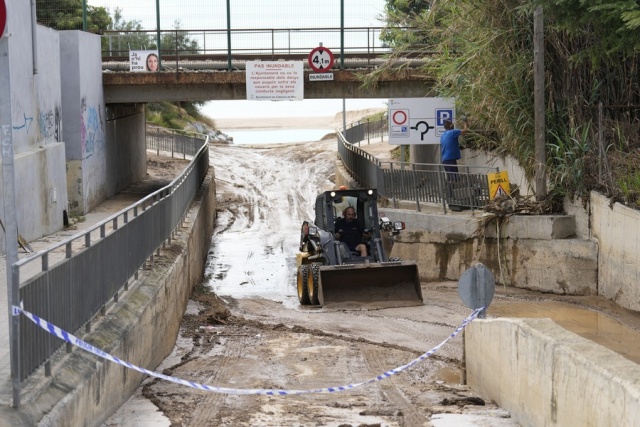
column 321, row 59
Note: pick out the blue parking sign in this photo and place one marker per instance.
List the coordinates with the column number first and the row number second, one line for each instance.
column 443, row 114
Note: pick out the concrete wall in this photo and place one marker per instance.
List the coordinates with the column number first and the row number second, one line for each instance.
column 84, row 120
column 617, row 230
column 560, row 266
column 126, row 156
column 39, row 150
column 141, row 329
column 516, row 173
column 546, row 376
column 538, row 253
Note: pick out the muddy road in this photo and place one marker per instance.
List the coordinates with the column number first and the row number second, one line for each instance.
column 244, row 328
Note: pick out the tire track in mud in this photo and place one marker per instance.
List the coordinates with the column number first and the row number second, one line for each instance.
column 213, row 371
column 272, row 190
column 405, row 410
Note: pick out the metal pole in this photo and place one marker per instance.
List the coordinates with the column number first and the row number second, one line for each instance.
column 344, row 116
column 10, row 224
column 342, row 34
column 34, row 38
column 158, row 34
column 84, row 15
column 229, row 35
column 538, row 96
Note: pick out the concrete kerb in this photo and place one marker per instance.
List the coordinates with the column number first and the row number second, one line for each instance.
column 140, row 328
column 545, row 375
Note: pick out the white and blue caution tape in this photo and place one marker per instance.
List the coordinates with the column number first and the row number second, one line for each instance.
column 54, row 330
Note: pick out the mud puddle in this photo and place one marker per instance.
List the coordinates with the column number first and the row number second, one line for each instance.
column 589, row 324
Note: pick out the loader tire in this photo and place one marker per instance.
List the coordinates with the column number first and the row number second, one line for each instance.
column 312, row 283
column 303, row 275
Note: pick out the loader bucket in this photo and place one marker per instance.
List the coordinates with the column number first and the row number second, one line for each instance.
column 370, row 286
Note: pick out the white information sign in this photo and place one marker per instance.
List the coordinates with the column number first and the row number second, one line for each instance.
column 418, row 120
column 143, row 61
column 275, row 80
column 321, row 77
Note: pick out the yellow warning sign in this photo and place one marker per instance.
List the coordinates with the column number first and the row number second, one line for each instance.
column 498, row 184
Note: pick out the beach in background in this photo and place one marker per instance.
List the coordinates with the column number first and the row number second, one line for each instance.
column 269, row 122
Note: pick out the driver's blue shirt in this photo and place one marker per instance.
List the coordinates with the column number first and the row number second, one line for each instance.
column 449, row 146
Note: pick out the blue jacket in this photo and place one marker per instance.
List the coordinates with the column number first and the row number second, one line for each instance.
column 449, row 146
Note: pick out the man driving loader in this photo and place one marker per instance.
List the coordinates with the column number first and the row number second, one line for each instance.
column 350, row 230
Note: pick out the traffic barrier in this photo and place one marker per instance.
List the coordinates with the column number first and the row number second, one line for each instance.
column 64, row 335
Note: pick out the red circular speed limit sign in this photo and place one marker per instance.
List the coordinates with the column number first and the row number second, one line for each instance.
column 321, row 59
column 3, row 17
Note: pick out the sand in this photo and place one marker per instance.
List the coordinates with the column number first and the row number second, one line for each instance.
column 332, row 122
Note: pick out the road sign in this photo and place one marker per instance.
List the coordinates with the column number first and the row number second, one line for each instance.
column 498, row 184
column 418, row 120
column 3, row 17
column 321, row 59
column 321, row 77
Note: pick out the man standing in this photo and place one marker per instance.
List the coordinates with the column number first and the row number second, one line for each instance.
column 450, row 147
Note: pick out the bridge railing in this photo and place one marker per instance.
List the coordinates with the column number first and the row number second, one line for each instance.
column 417, row 182
column 73, row 280
column 230, row 49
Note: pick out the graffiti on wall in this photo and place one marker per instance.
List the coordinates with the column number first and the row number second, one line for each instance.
column 26, row 123
column 50, row 125
column 93, row 138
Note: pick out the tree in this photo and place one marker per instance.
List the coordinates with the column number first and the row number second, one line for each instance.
column 401, row 17
column 67, row 15
column 129, row 37
column 179, row 41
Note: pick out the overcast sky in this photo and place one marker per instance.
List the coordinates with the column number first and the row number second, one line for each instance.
column 211, row 14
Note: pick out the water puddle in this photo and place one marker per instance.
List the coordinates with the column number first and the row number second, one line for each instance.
column 449, row 375
column 592, row 325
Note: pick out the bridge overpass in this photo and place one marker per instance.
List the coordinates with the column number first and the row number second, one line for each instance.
column 128, row 87
column 216, row 70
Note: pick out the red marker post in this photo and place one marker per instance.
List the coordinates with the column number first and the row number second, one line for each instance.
column 3, row 17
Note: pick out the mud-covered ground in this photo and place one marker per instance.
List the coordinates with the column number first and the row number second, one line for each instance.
column 245, row 330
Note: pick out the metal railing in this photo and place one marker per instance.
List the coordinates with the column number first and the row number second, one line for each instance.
column 72, row 281
column 173, row 142
column 366, row 130
column 418, row 182
column 212, row 49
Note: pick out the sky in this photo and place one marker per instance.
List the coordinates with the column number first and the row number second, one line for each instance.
column 211, row 14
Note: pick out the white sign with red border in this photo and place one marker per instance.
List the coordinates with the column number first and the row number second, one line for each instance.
column 418, row 120
column 321, row 59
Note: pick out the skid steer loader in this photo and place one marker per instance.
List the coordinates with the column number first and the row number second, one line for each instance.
column 329, row 274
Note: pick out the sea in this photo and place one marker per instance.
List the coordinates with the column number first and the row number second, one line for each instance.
column 245, row 109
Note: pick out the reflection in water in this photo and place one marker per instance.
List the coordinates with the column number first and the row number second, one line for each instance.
column 588, row 324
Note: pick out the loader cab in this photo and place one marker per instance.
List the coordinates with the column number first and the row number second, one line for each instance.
column 330, row 207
